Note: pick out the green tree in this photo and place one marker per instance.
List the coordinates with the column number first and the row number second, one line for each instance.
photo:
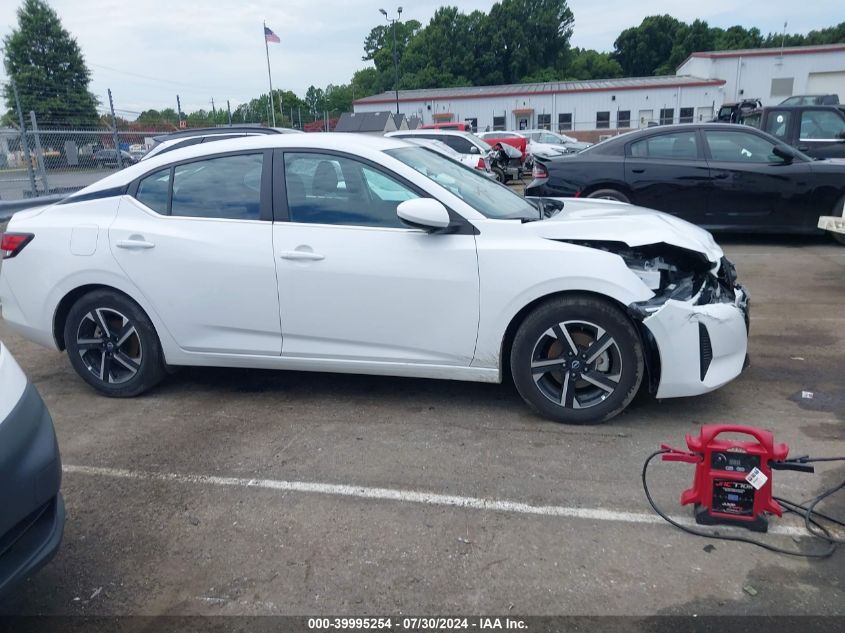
column 735, row 38
column 590, row 64
column 642, row 50
column 48, row 68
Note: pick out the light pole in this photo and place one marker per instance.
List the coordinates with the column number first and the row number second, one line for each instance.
column 395, row 58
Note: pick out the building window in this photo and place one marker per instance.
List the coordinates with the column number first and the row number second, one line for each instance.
column 667, row 116
column 782, row 86
column 544, row 121
column 498, row 123
column 687, row 115
column 564, row 121
column 623, row 118
column 602, row 120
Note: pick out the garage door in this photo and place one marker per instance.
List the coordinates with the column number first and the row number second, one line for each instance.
column 832, row 83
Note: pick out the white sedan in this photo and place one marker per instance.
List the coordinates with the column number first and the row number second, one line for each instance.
column 345, row 253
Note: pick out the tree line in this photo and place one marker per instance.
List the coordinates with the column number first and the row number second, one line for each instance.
column 517, row 41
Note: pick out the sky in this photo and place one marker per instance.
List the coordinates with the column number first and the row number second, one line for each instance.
column 148, row 51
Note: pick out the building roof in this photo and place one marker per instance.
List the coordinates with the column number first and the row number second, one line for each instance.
column 550, row 87
column 777, row 51
column 363, row 122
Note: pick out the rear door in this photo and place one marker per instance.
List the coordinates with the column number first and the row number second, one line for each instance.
column 667, row 171
column 197, row 240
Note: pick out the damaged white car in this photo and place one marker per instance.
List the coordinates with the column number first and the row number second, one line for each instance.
column 344, row 253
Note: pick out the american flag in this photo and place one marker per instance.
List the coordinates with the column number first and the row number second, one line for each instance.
column 269, row 36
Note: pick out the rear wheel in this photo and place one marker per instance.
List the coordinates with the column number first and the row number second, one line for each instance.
column 500, row 174
column 577, row 360
column 609, row 194
column 839, row 210
column 112, row 344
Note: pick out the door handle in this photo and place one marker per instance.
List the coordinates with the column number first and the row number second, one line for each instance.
column 302, row 255
column 720, row 176
column 134, row 244
column 638, row 170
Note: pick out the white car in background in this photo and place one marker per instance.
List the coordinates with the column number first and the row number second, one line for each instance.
column 548, row 144
column 440, row 147
column 369, row 255
column 471, row 148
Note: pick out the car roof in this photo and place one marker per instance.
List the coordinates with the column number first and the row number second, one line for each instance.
column 436, row 131
column 209, row 131
column 329, row 141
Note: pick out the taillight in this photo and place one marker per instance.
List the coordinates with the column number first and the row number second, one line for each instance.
column 539, row 171
column 481, row 165
column 12, row 243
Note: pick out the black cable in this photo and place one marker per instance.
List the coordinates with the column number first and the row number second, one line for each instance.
column 741, row 539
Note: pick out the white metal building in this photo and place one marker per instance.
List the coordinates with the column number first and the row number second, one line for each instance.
column 772, row 74
column 595, row 107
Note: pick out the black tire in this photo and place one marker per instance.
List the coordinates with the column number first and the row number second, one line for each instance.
column 112, row 344
column 839, row 210
column 610, row 194
column 597, row 389
column 500, row 174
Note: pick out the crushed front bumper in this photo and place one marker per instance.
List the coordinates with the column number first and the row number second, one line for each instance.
column 701, row 346
column 33, row 515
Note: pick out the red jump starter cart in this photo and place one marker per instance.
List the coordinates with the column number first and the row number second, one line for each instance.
column 733, row 479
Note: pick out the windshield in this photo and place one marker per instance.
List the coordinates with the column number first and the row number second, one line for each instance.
column 484, row 145
column 481, row 193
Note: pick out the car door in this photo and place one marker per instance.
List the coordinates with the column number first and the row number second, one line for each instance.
column 752, row 186
column 667, row 171
column 822, row 133
column 196, row 239
column 355, row 284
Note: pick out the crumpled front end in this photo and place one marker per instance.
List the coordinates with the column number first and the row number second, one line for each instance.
column 699, row 327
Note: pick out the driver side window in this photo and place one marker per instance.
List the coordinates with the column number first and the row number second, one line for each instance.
column 739, row 147
column 329, row 189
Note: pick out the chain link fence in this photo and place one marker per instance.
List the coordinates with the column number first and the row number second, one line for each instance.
column 36, row 162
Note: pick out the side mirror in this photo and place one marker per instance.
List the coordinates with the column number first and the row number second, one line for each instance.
column 473, row 150
column 787, row 155
column 423, row 213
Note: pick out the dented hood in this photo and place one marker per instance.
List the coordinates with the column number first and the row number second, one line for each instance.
column 608, row 220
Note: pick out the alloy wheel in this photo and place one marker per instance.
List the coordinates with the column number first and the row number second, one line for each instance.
column 576, row 364
column 109, row 345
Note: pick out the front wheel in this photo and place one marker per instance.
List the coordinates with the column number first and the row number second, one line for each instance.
column 577, row 360
column 112, row 344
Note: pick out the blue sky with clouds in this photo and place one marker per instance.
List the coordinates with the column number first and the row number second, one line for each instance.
column 147, row 51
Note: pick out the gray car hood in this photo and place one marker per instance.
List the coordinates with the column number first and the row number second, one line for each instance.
column 608, row 220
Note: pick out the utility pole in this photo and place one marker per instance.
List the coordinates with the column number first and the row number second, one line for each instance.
column 39, row 153
column 114, row 132
column 213, row 112
column 179, row 110
column 24, row 142
column 229, row 111
column 270, row 78
column 395, row 53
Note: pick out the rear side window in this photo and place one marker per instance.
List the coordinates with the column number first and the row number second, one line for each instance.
column 778, row 123
column 683, row 145
column 223, row 187
column 153, row 191
column 459, row 144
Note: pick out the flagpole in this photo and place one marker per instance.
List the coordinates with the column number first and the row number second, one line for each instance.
column 269, row 76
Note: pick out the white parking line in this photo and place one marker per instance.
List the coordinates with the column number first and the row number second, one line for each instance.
column 405, row 496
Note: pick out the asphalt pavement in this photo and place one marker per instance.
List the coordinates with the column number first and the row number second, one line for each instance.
column 255, row 492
